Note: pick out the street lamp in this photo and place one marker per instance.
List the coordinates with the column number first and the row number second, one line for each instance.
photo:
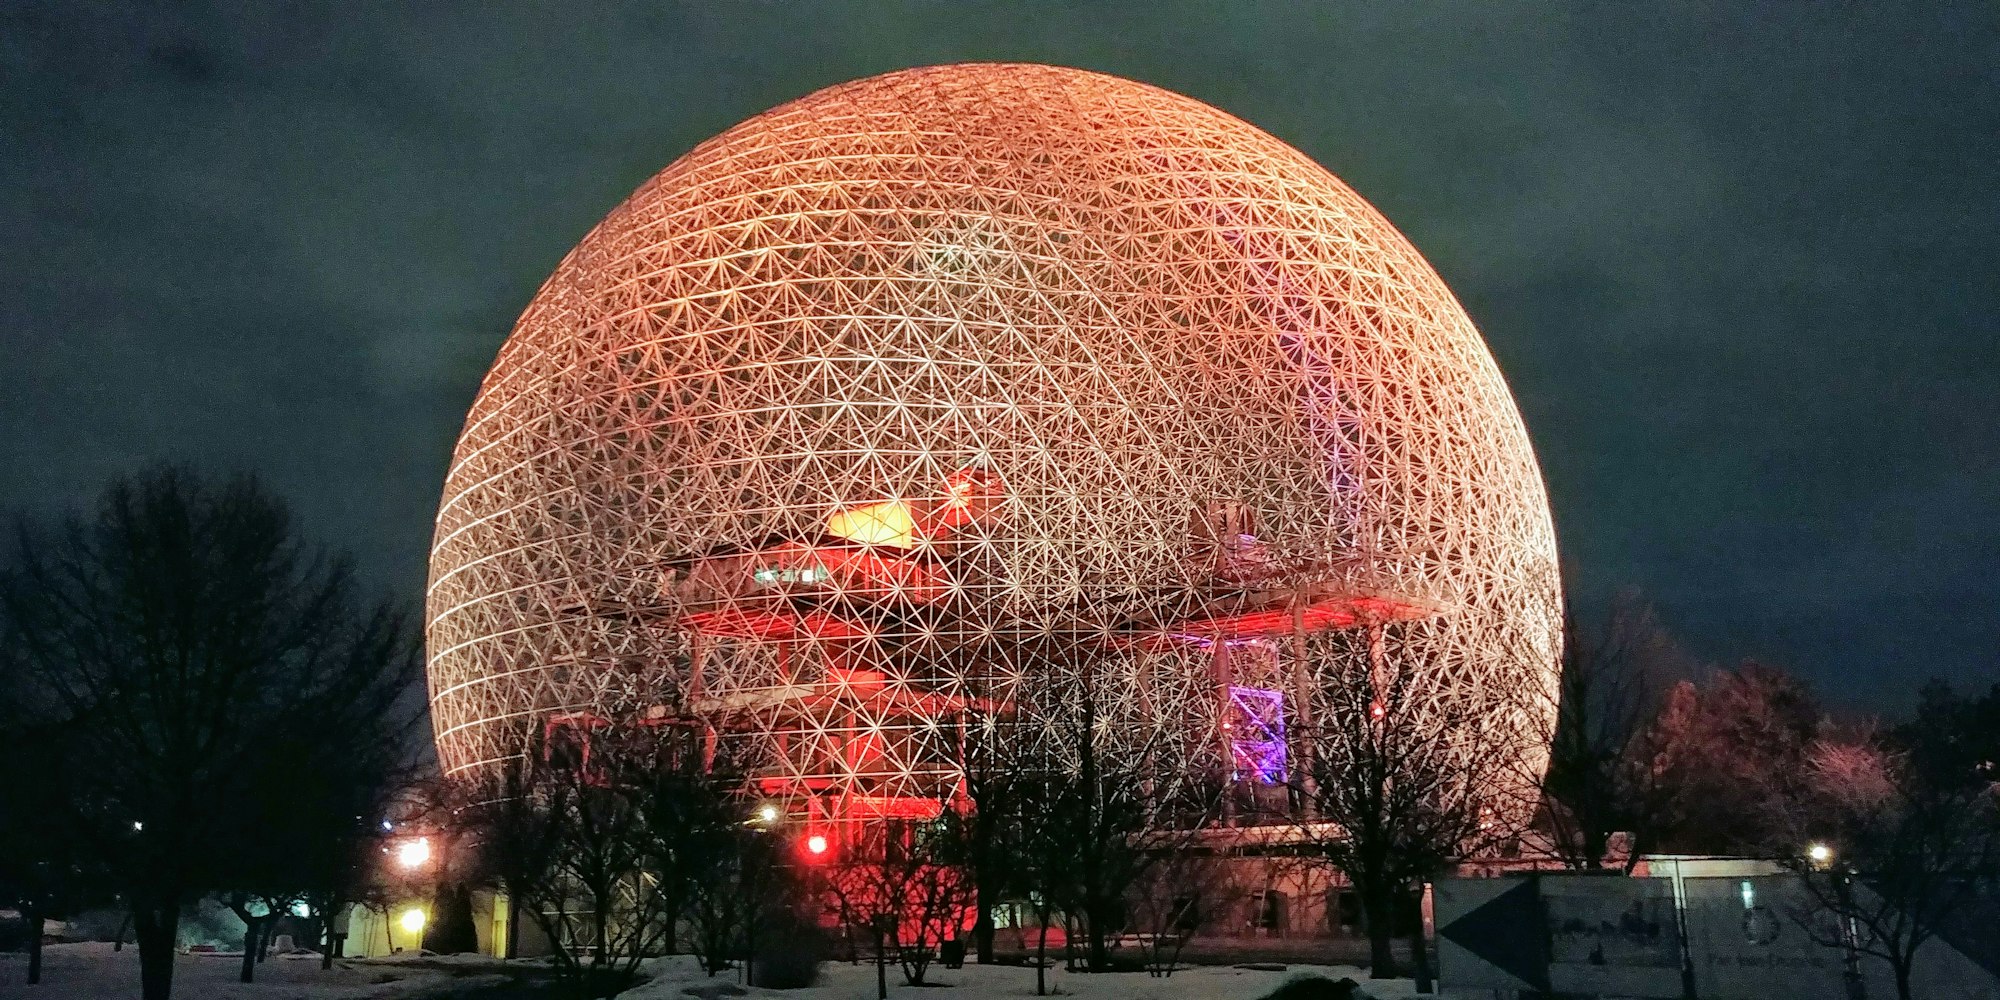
column 414, row 853
column 1819, row 854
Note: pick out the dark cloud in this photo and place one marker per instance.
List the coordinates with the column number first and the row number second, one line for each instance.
column 1738, row 261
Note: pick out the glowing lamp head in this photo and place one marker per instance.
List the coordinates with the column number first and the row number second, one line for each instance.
column 767, row 814
column 816, row 845
column 414, row 853
column 1819, row 854
column 412, row 920
column 887, row 523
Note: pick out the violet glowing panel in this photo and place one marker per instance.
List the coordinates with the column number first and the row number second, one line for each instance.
column 1257, row 733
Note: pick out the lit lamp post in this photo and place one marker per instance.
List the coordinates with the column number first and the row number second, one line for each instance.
column 1820, row 857
column 413, row 857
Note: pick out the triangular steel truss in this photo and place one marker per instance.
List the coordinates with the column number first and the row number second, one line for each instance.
column 898, row 405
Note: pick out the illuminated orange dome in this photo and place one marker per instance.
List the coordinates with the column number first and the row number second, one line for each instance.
column 851, row 421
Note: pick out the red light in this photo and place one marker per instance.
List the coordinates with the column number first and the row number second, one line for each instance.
column 816, row 844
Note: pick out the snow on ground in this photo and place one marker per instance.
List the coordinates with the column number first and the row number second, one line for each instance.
column 841, row 981
column 95, row 972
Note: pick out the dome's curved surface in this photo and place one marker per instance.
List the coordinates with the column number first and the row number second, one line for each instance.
column 880, row 395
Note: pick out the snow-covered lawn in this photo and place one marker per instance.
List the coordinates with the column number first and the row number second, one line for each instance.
column 94, row 971
column 841, row 981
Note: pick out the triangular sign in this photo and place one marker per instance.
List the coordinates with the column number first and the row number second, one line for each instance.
column 1508, row 933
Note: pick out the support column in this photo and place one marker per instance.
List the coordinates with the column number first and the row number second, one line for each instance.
column 697, row 651
column 1300, row 735
column 1378, row 674
column 1224, row 675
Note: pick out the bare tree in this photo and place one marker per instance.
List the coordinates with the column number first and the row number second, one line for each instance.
column 908, row 883
column 44, row 872
column 185, row 636
column 1095, row 798
column 569, row 839
column 991, row 832
column 1046, row 857
column 693, row 819
column 741, row 896
column 1405, row 778
column 1888, row 854
column 1719, row 754
column 1597, row 782
column 1168, row 903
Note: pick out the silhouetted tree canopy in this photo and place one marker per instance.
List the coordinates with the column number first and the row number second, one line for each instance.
column 218, row 699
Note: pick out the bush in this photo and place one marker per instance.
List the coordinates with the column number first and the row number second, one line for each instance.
column 789, row 954
column 1315, row 988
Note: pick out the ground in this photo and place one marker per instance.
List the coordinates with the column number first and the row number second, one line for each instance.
column 94, row 971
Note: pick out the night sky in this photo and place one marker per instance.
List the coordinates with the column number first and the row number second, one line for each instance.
column 1738, row 261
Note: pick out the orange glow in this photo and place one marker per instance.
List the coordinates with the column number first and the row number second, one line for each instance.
column 939, row 380
column 886, row 523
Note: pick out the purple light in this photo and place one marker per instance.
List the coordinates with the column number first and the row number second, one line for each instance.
column 1257, row 728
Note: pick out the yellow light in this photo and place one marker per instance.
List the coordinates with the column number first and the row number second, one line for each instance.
column 412, row 920
column 414, row 853
column 886, row 523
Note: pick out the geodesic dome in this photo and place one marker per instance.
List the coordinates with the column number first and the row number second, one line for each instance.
column 889, row 407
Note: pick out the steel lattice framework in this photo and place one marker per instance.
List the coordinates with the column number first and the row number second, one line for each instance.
column 902, row 407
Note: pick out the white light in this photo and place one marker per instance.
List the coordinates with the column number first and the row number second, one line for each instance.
column 301, row 910
column 387, row 826
column 413, row 920
column 816, row 844
column 414, row 853
column 1819, row 853
column 767, row 813
column 137, row 826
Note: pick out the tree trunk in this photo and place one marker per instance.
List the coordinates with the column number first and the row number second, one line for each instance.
column 33, row 917
column 155, row 930
column 251, row 941
column 670, row 944
column 513, row 925
column 982, row 923
column 1042, row 958
column 124, row 927
column 1420, row 957
column 1903, row 980
column 1595, row 845
column 326, row 916
column 1378, row 910
column 881, row 966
